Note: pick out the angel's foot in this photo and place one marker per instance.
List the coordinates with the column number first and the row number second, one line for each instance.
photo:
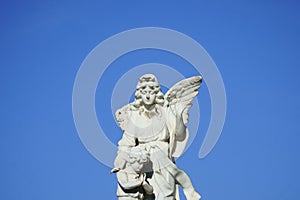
column 191, row 194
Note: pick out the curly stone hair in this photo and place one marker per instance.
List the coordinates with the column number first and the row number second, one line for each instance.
column 138, row 154
column 150, row 80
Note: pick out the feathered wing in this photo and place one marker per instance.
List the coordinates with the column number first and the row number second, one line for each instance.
column 122, row 116
column 178, row 99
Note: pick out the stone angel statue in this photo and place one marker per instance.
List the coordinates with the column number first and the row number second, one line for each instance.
column 157, row 122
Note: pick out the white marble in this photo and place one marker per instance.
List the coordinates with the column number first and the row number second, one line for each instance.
column 155, row 133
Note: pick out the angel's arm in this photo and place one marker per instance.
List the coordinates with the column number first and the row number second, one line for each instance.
column 180, row 128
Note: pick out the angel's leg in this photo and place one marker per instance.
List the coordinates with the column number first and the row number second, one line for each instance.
column 182, row 179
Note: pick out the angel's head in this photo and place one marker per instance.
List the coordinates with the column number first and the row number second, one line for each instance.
column 148, row 91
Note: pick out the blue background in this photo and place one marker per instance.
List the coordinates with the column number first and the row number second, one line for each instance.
column 255, row 45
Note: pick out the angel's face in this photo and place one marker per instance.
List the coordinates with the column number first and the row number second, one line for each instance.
column 148, row 94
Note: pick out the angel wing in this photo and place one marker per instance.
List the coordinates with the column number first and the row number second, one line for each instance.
column 122, row 115
column 178, row 99
column 180, row 96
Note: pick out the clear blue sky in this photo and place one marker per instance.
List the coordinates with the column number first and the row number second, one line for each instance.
column 255, row 45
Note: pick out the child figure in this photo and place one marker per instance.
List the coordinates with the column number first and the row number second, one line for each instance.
column 132, row 182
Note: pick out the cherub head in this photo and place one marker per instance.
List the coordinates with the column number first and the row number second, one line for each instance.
column 148, row 91
column 138, row 157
